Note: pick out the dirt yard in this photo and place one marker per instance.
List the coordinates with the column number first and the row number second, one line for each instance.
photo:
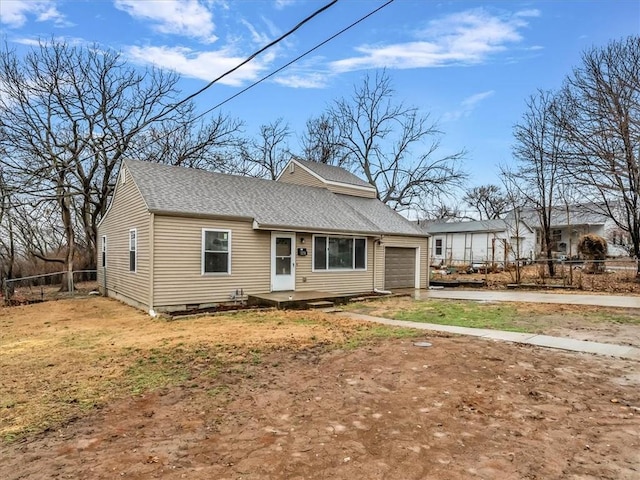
column 301, row 395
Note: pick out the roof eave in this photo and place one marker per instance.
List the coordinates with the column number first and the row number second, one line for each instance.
column 212, row 216
column 303, row 229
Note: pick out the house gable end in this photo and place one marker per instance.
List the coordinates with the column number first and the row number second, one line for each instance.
column 297, row 172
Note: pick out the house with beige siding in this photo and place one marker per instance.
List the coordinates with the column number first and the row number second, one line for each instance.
column 177, row 238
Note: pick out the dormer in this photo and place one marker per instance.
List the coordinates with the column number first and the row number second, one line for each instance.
column 334, row 179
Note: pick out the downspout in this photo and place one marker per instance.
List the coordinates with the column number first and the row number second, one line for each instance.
column 375, row 251
column 152, row 312
column 428, row 272
column 375, row 254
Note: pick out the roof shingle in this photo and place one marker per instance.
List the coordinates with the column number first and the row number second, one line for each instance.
column 186, row 191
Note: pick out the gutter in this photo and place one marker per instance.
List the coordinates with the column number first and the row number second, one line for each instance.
column 212, row 216
column 368, row 233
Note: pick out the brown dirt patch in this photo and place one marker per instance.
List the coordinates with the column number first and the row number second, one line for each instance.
column 463, row 408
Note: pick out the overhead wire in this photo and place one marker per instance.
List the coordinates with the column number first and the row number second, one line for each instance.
column 257, row 82
column 174, row 106
column 282, row 67
column 241, row 64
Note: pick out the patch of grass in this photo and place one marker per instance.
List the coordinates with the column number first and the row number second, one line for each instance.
column 463, row 314
column 626, row 319
column 218, row 390
column 305, row 321
column 369, row 333
column 529, row 318
column 65, row 364
column 149, row 374
column 498, row 316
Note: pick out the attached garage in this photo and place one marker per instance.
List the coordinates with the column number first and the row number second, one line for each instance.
column 399, row 267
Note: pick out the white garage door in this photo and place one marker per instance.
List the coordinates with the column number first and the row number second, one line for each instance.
column 399, row 267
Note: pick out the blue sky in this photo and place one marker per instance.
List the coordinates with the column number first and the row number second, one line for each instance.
column 469, row 64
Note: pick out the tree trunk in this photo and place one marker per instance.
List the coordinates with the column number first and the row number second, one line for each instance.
column 549, row 254
column 65, row 207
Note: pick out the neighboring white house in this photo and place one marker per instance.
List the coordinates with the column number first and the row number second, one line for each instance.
column 518, row 235
column 483, row 241
column 568, row 225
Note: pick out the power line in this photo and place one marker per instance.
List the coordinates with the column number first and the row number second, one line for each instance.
column 279, row 69
column 229, row 72
column 257, row 82
column 174, row 106
column 299, row 57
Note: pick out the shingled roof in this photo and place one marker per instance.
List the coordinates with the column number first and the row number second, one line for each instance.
column 578, row 215
column 435, row 227
column 333, row 173
column 271, row 205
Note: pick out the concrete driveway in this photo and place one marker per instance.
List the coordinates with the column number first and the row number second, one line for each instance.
column 532, row 297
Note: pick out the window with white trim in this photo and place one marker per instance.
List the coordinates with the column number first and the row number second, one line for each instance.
column 133, row 250
column 104, row 251
column 216, row 251
column 438, row 246
column 339, row 253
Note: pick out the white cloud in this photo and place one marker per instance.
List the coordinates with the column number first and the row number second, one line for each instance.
column 189, row 18
column 467, row 106
column 309, row 80
column 16, row 12
column 473, row 100
column 35, row 42
column 203, row 65
column 257, row 37
column 464, row 38
column 280, row 4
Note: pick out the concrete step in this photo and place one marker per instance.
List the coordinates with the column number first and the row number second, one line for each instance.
column 320, row 304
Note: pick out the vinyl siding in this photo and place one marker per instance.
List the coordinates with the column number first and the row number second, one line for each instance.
column 407, row 242
column 300, row 176
column 465, row 248
column 178, row 279
column 127, row 211
column 357, row 281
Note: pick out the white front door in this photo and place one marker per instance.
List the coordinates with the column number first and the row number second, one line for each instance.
column 283, row 261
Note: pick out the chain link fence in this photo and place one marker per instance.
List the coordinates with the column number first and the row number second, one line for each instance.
column 38, row 288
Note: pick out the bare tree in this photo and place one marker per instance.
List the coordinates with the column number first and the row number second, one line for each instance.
column 321, row 141
column 69, row 114
column 266, row 155
column 489, row 201
column 393, row 146
column 7, row 238
column 440, row 210
column 537, row 149
column 602, row 124
column 185, row 140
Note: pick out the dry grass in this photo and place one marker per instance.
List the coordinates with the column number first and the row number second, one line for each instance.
column 61, row 359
